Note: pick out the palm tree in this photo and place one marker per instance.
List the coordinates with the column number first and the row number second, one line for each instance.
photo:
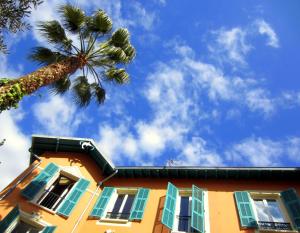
column 98, row 54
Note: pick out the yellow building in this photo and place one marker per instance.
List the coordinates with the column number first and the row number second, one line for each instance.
column 70, row 186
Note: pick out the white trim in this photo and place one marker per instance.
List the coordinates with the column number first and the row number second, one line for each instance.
column 31, row 219
column 274, row 195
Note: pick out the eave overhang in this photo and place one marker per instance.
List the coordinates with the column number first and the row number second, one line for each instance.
column 41, row 144
column 263, row 173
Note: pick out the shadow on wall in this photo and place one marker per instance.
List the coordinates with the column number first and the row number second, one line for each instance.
column 158, row 227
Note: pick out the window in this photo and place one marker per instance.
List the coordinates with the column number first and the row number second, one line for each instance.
column 120, row 206
column 18, row 221
column 183, row 214
column 56, row 192
column 270, row 213
column 24, row 227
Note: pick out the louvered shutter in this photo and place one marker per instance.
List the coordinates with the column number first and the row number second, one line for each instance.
column 49, row 229
column 9, row 219
column 40, row 181
column 73, row 197
column 102, row 202
column 292, row 203
column 140, row 200
column 197, row 209
column 246, row 214
column 169, row 206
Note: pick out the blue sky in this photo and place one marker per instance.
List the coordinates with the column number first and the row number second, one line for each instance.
column 214, row 83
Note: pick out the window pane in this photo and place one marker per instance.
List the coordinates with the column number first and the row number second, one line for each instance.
column 275, row 211
column 183, row 223
column 127, row 207
column 23, row 227
column 261, row 210
column 117, row 206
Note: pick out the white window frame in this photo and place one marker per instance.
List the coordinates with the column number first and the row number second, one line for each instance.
column 110, row 206
column 188, row 192
column 272, row 195
column 36, row 200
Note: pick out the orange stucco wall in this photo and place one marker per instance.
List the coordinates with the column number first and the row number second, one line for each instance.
column 223, row 215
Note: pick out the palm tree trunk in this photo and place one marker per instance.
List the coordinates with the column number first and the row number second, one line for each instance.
column 13, row 91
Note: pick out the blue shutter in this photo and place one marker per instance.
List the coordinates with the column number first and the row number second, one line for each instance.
column 39, row 182
column 49, row 229
column 9, row 219
column 197, row 209
column 102, row 202
column 292, row 203
column 139, row 204
column 246, row 214
column 169, row 206
column 73, row 197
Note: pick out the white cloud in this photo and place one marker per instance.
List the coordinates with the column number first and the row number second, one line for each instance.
column 265, row 29
column 258, row 100
column 195, row 153
column 14, row 155
column 264, row 152
column 232, row 45
column 57, row 116
column 123, row 15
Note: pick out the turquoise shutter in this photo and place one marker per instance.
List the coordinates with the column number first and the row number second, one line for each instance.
column 292, row 203
column 139, row 204
column 73, row 197
column 102, row 202
column 40, row 181
column 169, row 206
column 246, row 214
column 49, row 229
column 9, row 219
column 197, row 209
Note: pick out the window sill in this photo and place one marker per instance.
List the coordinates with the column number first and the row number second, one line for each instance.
column 276, row 231
column 110, row 220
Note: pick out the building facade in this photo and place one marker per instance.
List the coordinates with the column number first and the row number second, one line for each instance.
column 70, row 186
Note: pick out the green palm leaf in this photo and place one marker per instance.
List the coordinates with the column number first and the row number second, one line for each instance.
column 120, row 37
column 45, row 56
column 129, row 51
column 82, row 91
column 61, row 86
column 55, row 33
column 100, row 22
column 98, row 93
column 118, row 76
column 73, row 17
column 116, row 54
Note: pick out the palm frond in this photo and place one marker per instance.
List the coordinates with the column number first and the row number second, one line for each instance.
column 61, row 86
column 120, row 37
column 99, row 22
column 82, row 91
column 73, row 17
column 118, row 76
column 98, row 93
column 129, row 51
column 55, row 33
column 45, row 56
column 116, row 54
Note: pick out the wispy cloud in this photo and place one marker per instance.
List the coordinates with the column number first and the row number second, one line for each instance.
column 58, row 116
column 232, row 45
column 257, row 151
column 265, row 29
